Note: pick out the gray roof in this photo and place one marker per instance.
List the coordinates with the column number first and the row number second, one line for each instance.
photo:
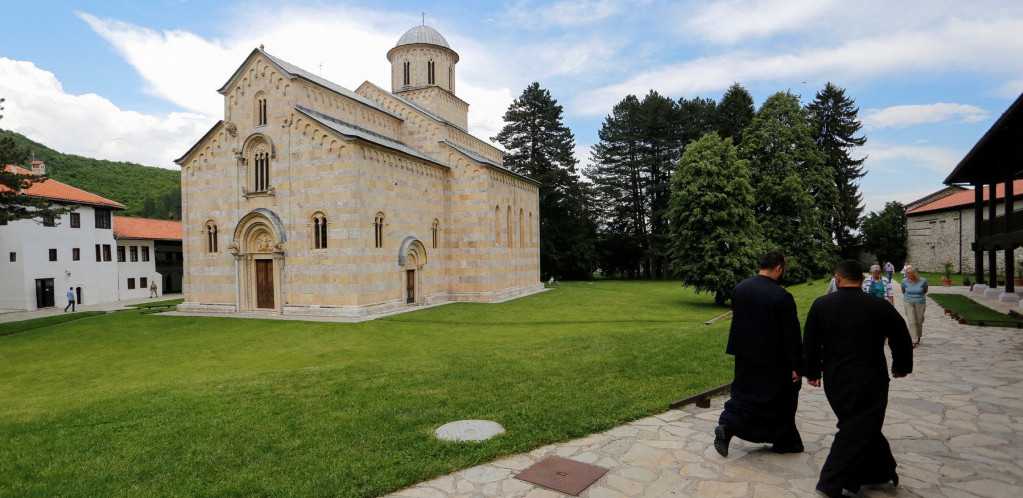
column 422, row 34
column 297, row 72
column 484, row 161
column 426, row 112
column 351, row 131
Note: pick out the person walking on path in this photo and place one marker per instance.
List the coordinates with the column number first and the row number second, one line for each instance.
column 765, row 340
column 850, row 359
column 876, row 285
column 152, row 289
column 914, row 290
column 889, row 268
column 70, row 299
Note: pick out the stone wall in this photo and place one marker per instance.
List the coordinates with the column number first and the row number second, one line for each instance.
column 936, row 236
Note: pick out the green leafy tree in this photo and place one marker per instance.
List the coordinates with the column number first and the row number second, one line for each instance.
column 734, row 113
column 884, row 233
column 835, row 125
column 791, row 184
column 715, row 238
column 541, row 147
column 128, row 183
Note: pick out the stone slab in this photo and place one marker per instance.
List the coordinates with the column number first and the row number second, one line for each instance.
column 469, row 430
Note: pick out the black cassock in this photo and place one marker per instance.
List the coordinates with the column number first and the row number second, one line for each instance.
column 764, row 338
column 844, row 340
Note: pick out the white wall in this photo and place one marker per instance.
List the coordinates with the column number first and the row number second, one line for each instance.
column 31, row 241
column 137, row 270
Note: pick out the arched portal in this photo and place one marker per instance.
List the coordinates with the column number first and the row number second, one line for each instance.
column 411, row 259
column 258, row 248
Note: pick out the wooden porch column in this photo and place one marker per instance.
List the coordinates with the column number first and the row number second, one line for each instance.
column 992, row 254
column 1010, row 262
column 978, row 219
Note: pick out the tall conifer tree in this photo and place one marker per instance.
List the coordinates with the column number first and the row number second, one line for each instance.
column 734, row 113
column 631, row 171
column 541, row 147
column 619, row 186
column 835, row 125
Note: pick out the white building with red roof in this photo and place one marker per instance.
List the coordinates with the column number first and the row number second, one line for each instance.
column 148, row 252
column 42, row 260
column 943, row 228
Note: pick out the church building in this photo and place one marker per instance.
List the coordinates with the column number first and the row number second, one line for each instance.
column 311, row 199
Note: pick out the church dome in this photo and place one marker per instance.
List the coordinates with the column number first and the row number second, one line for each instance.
column 422, row 34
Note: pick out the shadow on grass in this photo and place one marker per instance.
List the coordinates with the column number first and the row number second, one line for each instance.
column 35, row 323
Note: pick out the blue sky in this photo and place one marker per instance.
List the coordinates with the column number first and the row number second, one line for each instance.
column 136, row 79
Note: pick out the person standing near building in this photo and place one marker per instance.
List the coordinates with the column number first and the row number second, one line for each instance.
column 70, row 299
column 850, row 359
column 152, row 289
column 765, row 340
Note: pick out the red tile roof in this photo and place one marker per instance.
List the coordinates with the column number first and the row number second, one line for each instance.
column 143, row 228
column 54, row 190
column 966, row 198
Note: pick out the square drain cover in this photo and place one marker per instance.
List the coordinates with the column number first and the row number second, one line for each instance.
column 563, row 475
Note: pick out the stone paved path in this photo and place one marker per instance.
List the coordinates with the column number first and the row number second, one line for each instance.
column 955, row 426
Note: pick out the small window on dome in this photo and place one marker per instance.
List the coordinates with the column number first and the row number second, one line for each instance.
column 430, row 73
column 405, row 79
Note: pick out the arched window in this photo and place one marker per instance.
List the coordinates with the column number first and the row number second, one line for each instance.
column 508, row 228
column 429, row 73
column 378, row 230
column 532, row 238
column 211, row 237
column 497, row 225
column 260, row 109
column 408, row 69
column 434, row 230
column 319, row 231
column 261, row 169
column 522, row 229
column 451, row 78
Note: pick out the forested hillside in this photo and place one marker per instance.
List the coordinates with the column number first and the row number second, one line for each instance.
column 144, row 190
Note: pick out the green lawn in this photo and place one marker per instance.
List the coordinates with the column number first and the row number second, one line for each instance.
column 132, row 404
column 973, row 312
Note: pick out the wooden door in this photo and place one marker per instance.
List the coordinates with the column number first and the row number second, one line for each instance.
column 410, row 286
column 265, row 283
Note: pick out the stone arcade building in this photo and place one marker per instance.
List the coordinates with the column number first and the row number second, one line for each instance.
column 311, row 199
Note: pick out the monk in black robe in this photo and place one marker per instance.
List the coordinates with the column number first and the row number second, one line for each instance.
column 765, row 340
column 845, row 337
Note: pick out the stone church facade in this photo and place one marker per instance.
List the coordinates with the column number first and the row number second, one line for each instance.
column 311, row 199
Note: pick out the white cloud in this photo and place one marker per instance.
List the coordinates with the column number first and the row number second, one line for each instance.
column 909, row 115
column 569, row 13
column 90, row 125
column 874, row 202
column 909, row 159
column 1010, row 90
column 733, row 21
column 955, row 46
column 171, row 65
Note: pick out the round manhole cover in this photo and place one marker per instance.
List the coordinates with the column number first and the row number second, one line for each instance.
column 469, row 430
